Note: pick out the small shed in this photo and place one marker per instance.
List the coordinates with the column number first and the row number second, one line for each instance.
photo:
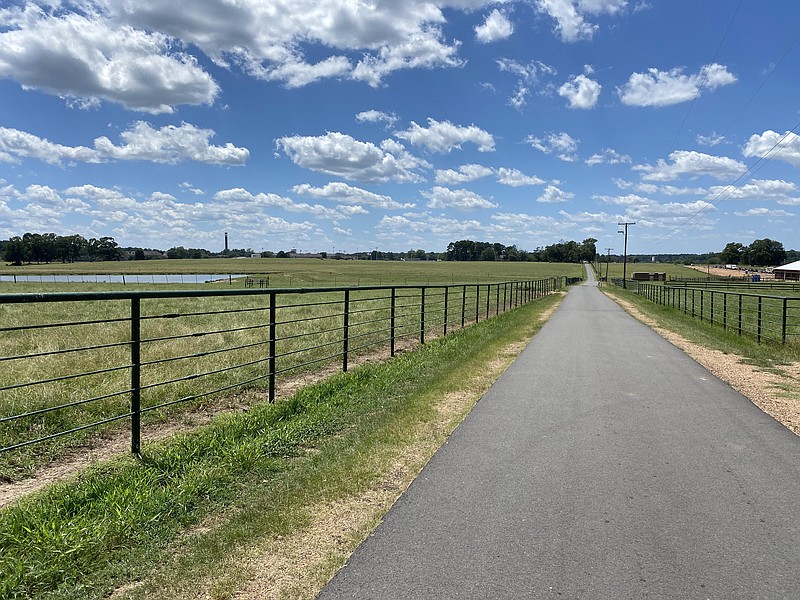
column 790, row 272
column 639, row 276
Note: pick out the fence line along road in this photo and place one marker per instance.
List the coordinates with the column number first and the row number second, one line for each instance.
column 74, row 362
column 764, row 316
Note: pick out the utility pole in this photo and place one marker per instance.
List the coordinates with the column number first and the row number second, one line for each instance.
column 625, row 254
column 608, row 260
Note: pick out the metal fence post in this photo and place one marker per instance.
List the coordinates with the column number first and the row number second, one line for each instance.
column 783, row 320
column 446, row 294
column 346, row 332
column 136, row 366
column 422, row 316
column 497, row 301
column 759, row 319
column 740, row 314
column 477, row 301
column 391, row 321
column 488, row 298
column 725, row 310
column 273, row 312
column 463, row 306
column 505, row 294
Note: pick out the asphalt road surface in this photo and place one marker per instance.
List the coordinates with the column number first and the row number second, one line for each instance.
column 604, row 464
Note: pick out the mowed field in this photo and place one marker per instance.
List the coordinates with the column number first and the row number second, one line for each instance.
column 198, row 352
column 298, row 272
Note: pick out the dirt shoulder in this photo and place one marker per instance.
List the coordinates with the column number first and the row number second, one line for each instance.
column 773, row 391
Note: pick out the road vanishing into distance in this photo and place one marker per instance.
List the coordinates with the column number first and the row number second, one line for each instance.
column 604, row 464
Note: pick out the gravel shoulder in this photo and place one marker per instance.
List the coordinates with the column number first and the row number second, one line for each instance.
column 774, row 391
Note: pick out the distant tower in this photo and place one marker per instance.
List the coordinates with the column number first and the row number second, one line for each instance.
column 226, row 241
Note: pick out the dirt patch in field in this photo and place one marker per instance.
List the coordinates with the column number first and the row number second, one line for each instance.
column 770, row 390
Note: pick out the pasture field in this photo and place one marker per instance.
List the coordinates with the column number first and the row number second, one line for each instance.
column 201, row 351
column 672, row 270
column 192, row 512
column 304, row 272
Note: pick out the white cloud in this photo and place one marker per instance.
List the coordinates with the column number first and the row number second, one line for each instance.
column 764, row 212
column 691, row 164
column 712, row 140
column 529, row 77
column 340, row 155
column 464, row 174
column 516, row 178
column 627, row 200
column 562, row 144
column 784, row 147
column 570, row 24
column 441, row 197
column 642, row 188
column 608, row 156
column 376, row 116
column 664, row 88
column 756, row 189
column 81, row 57
column 261, row 200
column 360, row 40
column 581, row 92
column 552, row 194
column 170, row 144
column 495, row 27
column 444, row 136
column 341, row 192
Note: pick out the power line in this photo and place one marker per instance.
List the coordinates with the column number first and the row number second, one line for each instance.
column 704, row 78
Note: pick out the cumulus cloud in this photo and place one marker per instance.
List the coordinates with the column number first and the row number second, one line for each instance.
column 764, row 212
column 784, row 147
column 609, row 156
column 169, row 144
column 340, row 155
column 561, row 144
column 664, row 88
column 516, row 178
column 465, row 200
column 444, row 136
column 359, row 40
column 85, row 58
column 712, row 140
column 529, row 76
column 691, row 164
column 756, row 189
column 260, row 200
column 552, row 195
column 341, row 192
column 463, row 174
column 377, row 116
column 581, row 92
column 495, row 27
column 626, row 200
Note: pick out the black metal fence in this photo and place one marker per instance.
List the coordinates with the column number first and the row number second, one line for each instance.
column 766, row 317
column 74, row 362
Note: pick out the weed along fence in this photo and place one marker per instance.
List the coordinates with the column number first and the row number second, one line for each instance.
column 74, row 362
column 771, row 317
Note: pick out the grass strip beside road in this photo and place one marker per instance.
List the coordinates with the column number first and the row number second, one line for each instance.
column 173, row 523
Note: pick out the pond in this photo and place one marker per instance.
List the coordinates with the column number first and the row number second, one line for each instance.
column 132, row 278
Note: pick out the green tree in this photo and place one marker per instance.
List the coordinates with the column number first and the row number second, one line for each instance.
column 15, row 251
column 488, row 254
column 732, row 253
column 766, row 253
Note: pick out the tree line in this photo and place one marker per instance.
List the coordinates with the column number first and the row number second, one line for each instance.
column 760, row 253
column 468, row 250
column 49, row 247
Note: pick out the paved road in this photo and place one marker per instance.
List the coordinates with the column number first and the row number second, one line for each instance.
column 604, row 464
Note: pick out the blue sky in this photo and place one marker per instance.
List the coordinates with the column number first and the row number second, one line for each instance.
column 354, row 124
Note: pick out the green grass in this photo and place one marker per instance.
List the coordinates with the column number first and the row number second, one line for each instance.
column 302, row 272
column 253, row 473
column 768, row 354
column 182, row 364
column 615, row 270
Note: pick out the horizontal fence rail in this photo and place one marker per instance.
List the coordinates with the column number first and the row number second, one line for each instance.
column 766, row 317
column 74, row 362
